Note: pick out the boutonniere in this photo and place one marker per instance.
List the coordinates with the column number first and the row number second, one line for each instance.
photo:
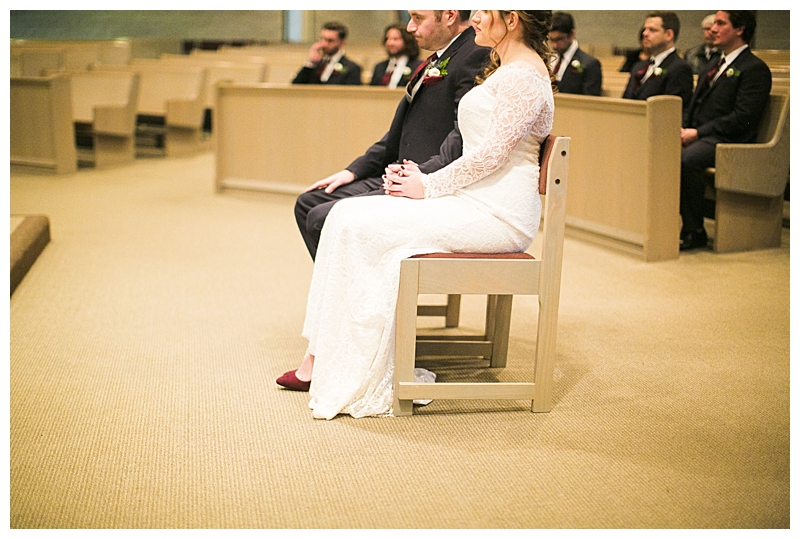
column 657, row 72
column 435, row 72
column 732, row 72
column 576, row 65
column 339, row 68
column 407, row 71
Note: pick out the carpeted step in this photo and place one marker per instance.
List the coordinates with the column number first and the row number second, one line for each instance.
column 30, row 234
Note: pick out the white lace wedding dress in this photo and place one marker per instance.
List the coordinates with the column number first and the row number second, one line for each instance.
column 486, row 201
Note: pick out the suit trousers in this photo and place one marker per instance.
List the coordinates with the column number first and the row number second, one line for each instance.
column 695, row 158
column 312, row 208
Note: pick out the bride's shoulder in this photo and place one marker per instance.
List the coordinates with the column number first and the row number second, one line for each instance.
column 522, row 69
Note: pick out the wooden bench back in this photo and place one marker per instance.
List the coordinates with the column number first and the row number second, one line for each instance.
column 92, row 89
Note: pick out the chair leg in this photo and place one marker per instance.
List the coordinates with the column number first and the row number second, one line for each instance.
column 498, row 327
column 452, row 311
column 405, row 334
column 545, row 359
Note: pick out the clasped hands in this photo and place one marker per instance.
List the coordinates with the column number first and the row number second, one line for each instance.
column 403, row 180
column 400, row 180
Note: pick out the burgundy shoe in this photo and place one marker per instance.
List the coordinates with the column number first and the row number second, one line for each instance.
column 289, row 380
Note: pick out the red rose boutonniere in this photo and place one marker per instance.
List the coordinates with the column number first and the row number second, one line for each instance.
column 435, row 72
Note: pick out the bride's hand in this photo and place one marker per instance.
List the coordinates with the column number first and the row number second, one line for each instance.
column 405, row 182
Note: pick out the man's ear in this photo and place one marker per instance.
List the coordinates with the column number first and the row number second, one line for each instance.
column 450, row 16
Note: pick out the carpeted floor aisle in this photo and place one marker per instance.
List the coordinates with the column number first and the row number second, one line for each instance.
column 145, row 340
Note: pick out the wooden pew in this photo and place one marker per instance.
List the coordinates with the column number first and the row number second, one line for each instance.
column 171, row 105
column 283, row 138
column 614, row 83
column 37, row 61
column 41, row 131
column 218, row 70
column 107, row 52
column 104, row 105
column 748, row 184
column 624, row 172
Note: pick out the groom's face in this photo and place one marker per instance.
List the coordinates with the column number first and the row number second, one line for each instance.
column 431, row 32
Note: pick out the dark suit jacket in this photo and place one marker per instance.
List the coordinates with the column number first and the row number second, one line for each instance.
column 380, row 70
column 586, row 79
column 730, row 109
column 349, row 74
column 424, row 130
column 696, row 58
column 675, row 79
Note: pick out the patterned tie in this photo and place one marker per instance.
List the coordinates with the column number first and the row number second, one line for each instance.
column 418, row 74
column 639, row 75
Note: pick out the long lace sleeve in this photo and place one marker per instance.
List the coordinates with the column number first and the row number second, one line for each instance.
column 519, row 101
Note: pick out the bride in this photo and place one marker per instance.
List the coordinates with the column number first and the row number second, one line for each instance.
column 485, row 201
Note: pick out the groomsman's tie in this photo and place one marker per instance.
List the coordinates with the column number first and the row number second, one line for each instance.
column 322, row 65
column 418, row 74
column 713, row 72
column 558, row 65
column 639, row 75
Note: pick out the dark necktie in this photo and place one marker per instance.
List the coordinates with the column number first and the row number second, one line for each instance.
column 388, row 75
column 321, row 66
column 710, row 75
column 418, row 73
column 558, row 65
column 639, row 75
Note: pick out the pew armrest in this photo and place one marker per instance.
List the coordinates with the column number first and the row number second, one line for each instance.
column 754, row 169
column 185, row 113
column 114, row 120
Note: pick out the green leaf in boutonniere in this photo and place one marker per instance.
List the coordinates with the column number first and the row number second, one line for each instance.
column 576, row 65
column 732, row 72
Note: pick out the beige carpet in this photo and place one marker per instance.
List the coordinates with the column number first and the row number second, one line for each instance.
column 145, row 341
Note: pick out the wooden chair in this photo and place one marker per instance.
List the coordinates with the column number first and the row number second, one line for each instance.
column 499, row 276
column 748, row 184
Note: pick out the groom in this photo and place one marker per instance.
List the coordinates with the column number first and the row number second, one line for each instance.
column 424, row 128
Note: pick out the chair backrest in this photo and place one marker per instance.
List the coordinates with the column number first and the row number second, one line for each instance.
column 545, row 149
column 554, row 171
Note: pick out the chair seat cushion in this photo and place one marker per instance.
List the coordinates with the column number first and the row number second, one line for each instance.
column 500, row 256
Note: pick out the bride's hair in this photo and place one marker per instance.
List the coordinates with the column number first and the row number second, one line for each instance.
column 535, row 26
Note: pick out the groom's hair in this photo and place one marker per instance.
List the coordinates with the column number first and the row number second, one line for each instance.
column 463, row 15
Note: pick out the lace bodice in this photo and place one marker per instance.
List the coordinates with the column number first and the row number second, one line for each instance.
column 492, row 111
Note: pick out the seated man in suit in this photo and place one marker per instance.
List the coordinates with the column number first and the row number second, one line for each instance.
column 664, row 72
column 705, row 53
column 326, row 62
column 403, row 58
column 576, row 71
column 726, row 106
column 424, row 128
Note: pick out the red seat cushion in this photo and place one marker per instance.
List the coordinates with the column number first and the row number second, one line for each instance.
column 499, row 256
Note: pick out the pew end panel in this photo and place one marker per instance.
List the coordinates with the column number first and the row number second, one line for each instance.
column 282, row 138
column 41, row 131
column 624, row 172
column 748, row 184
column 104, row 106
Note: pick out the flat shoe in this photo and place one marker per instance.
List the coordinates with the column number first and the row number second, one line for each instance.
column 289, row 380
